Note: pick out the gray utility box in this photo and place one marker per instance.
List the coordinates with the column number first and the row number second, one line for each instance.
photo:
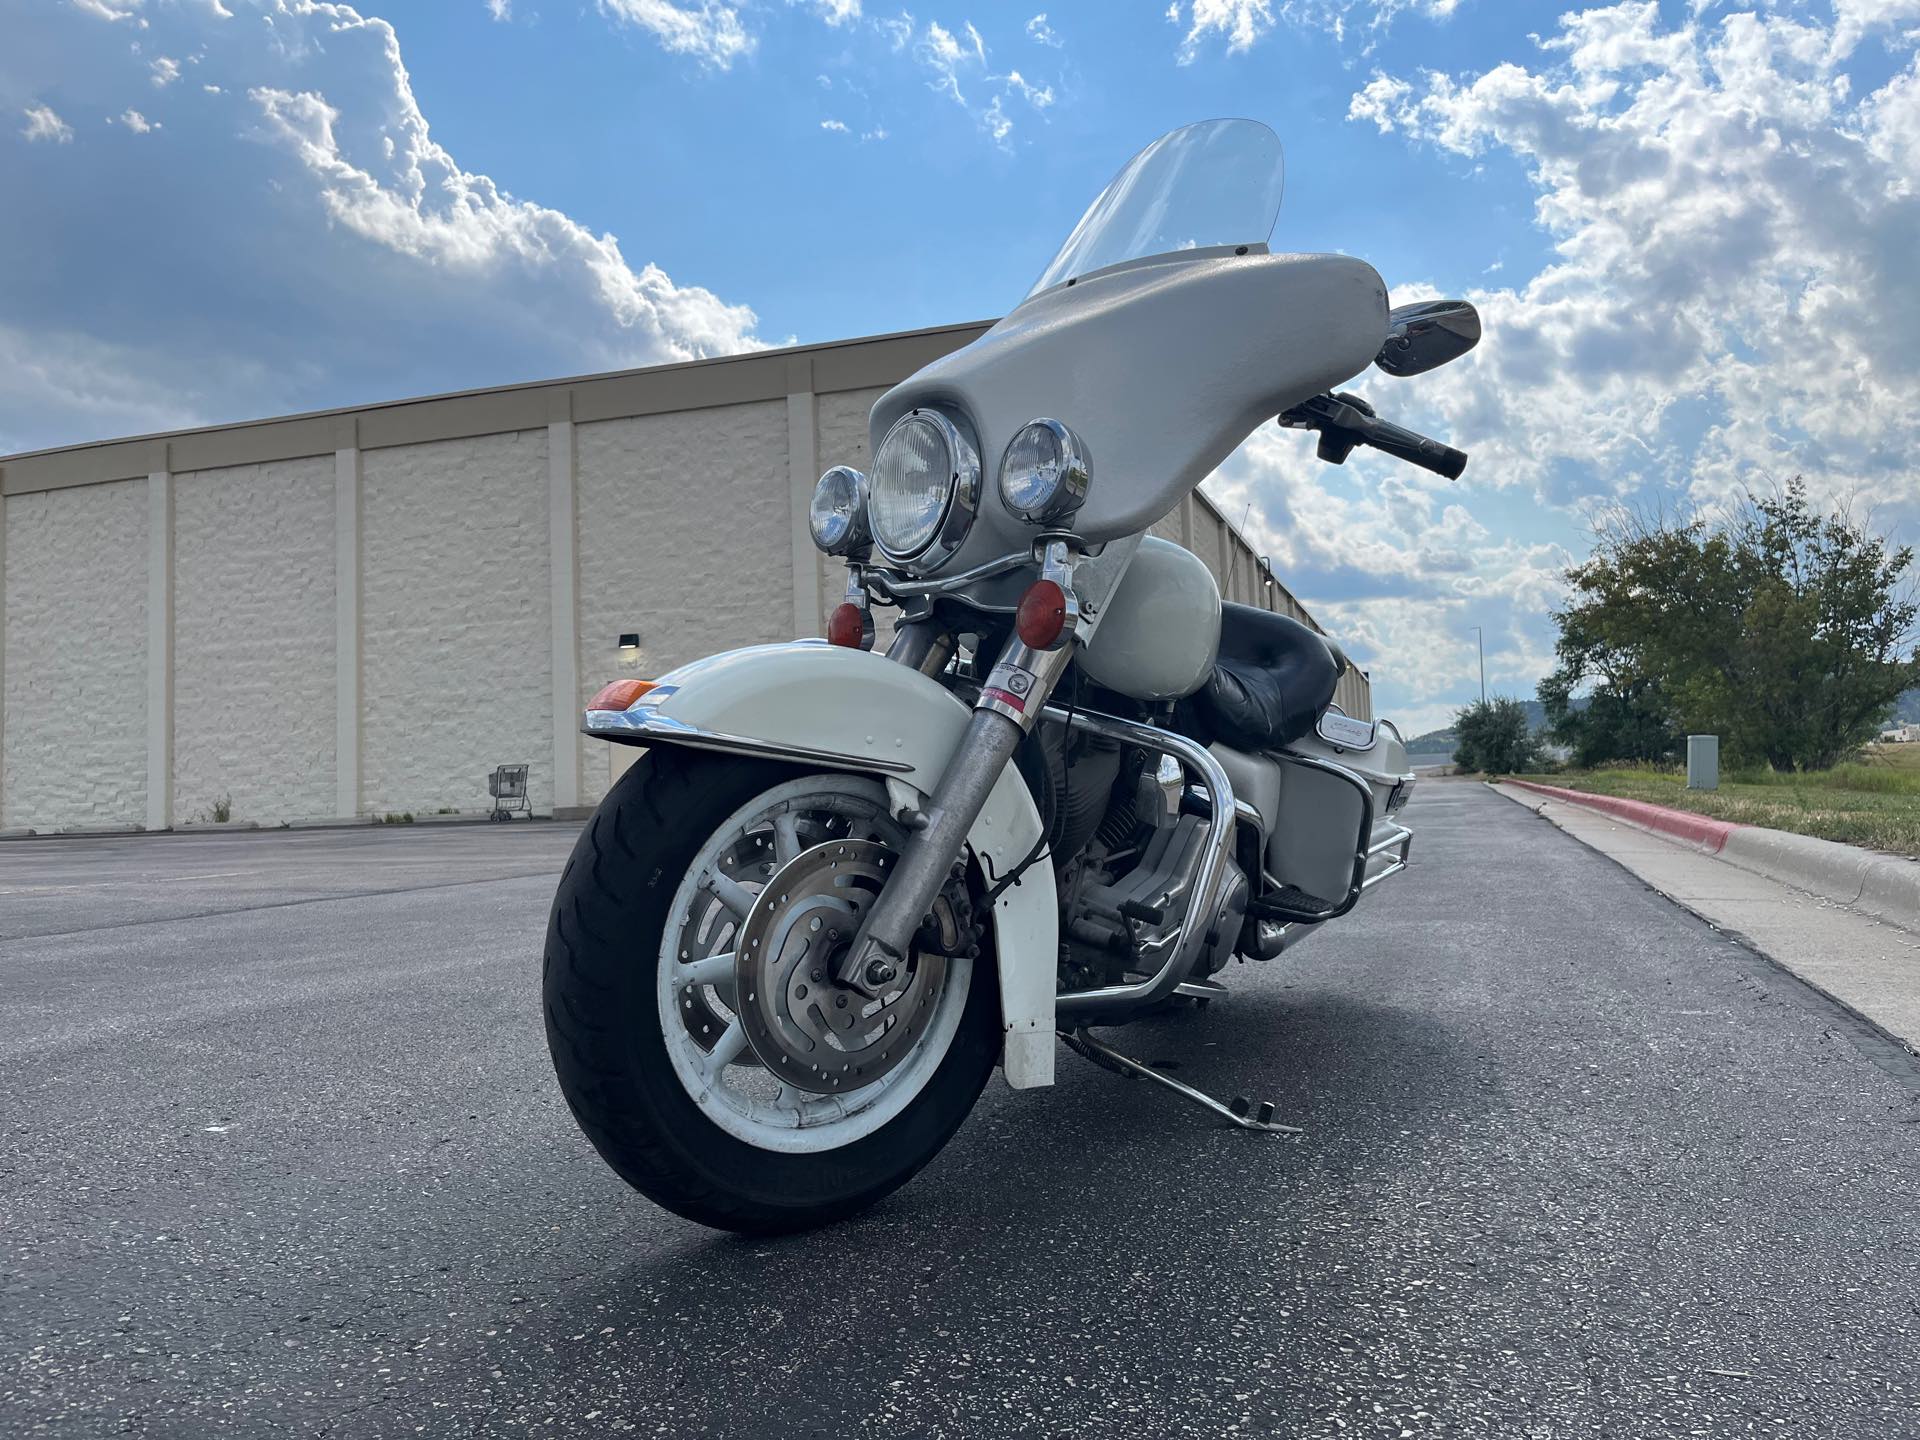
column 1703, row 762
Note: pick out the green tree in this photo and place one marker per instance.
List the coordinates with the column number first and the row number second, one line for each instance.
column 1493, row 737
column 1627, row 721
column 1786, row 631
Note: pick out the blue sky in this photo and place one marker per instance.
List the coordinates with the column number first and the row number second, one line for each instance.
column 1691, row 227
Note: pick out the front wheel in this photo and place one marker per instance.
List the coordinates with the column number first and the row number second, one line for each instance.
column 764, row 1096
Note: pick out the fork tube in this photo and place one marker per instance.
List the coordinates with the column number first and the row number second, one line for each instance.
column 1015, row 694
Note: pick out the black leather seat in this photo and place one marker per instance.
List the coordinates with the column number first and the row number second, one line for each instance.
column 1272, row 679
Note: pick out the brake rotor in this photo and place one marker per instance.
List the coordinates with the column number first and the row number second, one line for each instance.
column 810, row 1031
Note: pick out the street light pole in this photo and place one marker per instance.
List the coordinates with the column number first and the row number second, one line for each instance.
column 1480, row 636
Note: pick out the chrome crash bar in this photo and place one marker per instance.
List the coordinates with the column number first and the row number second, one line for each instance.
column 1094, row 1007
column 1400, row 837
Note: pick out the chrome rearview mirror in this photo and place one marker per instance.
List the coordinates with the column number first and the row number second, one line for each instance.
column 1426, row 336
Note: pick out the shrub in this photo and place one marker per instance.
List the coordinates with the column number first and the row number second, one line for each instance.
column 1495, row 738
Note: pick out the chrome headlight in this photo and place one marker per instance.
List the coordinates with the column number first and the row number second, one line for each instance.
column 1043, row 475
column 838, row 515
column 925, row 487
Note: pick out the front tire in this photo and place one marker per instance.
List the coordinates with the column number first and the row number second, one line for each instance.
column 621, row 1047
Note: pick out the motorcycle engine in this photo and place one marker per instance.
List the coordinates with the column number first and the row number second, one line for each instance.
column 1077, row 774
column 1124, row 858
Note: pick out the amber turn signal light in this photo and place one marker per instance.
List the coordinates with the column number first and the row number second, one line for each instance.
column 847, row 625
column 620, row 695
column 1042, row 615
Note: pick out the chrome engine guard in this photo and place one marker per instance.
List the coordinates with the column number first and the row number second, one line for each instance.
column 1099, row 1006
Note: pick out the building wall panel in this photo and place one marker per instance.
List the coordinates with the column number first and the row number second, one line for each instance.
column 455, row 637
column 76, row 644
column 684, row 527
column 685, row 538
column 254, row 641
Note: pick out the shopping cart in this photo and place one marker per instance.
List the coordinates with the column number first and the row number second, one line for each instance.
column 508, row 787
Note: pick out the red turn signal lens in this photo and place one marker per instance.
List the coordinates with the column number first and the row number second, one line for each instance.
column 620, row 695
column 847, row 625
column 1042, row 614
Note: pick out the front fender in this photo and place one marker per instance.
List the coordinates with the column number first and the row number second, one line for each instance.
column 843, row 709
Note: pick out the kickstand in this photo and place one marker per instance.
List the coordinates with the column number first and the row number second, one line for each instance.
column 1081, row 1041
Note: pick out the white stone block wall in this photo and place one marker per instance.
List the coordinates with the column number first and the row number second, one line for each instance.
column 455, row 635
column 685, row 538
column 429, row 559
column 253, row 646
column 75, row 729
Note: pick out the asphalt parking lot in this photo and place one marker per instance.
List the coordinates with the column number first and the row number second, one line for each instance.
column 280, row 1153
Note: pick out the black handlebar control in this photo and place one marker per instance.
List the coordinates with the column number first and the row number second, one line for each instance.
column 1345, row 421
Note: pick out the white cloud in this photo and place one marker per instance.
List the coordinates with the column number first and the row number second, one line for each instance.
column 943, row 54
column 43, row 124
column 897, row 30
column 500, row 9
column 325, row 248
column 960, row 57
column 1733, row 293
column 837, row 126
column 136, row 122
column 996, row 122
column 1730, row 298
column 1038, row 96
column 1041, row 33
column 94, row 387
column 1241, row 22
column 708, row 30
column 165, row 72
column 111, row 9
column 411, row 197
column 835, row 12
column 1380, row 101
column 1857, row 19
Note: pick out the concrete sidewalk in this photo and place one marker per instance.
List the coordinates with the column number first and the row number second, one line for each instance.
column 1869, row 966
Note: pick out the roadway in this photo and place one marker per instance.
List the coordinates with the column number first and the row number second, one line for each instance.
column 280, row 1153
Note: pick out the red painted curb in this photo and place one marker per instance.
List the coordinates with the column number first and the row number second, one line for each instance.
column 1709, row 835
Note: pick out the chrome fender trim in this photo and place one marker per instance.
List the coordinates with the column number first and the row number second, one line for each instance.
column 811, row 703
column 642, row 727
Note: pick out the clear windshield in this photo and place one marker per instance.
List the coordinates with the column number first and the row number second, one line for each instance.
column 1215, row 183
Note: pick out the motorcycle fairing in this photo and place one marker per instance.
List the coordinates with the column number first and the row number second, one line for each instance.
column 1161, row 366
column 837, row 708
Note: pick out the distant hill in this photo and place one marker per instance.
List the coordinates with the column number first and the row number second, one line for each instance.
column 1906, row 710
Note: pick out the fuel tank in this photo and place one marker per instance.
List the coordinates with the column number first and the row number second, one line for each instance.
column 1161, row 630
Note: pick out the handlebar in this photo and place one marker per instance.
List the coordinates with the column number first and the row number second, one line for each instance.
column 1345, row 421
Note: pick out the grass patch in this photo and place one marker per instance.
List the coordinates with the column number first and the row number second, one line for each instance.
column 1873, row 801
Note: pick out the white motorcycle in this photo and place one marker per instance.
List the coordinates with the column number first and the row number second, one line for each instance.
column 839, row 886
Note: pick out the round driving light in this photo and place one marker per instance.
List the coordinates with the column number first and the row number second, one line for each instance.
column 838, row 515
column 925, row 484
column 1043, row 474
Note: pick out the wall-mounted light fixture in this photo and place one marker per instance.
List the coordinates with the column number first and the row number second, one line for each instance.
column 1266, row 570
column 630, row 645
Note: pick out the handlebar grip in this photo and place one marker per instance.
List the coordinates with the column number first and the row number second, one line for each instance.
column 1414, row 448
